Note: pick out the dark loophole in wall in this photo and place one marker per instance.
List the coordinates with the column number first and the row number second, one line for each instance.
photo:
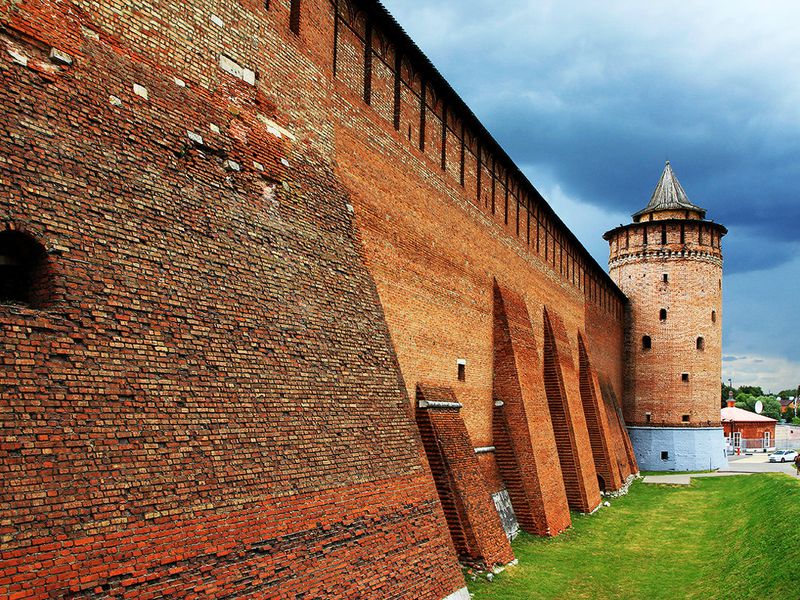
column 647, row 343
column 662, row 314
column 701, row 343
column 294, row 16
column 664, row 455
column 462, row 371
column 24, row 270
column 684, row 377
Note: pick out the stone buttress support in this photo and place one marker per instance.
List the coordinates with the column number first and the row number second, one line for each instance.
column 528, row 463
column 569, row 422
column 600, row 437
column 622, row 443
column 473, row 520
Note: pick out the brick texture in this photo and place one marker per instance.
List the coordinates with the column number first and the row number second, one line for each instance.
column 569, row 423
column 687, row 251
column 523, row 434
column 474, row 523
column 600, row 437
column 255, row 240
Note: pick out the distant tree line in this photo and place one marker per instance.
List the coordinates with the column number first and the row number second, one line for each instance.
column 746, row 397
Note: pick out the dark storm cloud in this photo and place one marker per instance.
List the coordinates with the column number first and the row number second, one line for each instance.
column 591, row 97
column 601, row 94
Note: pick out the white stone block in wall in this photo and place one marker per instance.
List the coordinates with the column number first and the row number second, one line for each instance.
column 195, row 137
column 217, row 21
column 115, row 101
column 18, row 57
column 231, row 67
column 140, row 90
column 232, row 165
column 59, row 57
column 179, row 82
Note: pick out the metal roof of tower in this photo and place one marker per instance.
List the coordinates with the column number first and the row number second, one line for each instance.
column 669, row 195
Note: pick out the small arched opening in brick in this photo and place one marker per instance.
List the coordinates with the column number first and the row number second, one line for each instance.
column 662, row 314
column 713, row 316
column 701, row 343
column 24, row 270
column 647, row 343
column 601, row 482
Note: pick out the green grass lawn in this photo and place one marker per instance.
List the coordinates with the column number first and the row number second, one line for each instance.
column 727, row 537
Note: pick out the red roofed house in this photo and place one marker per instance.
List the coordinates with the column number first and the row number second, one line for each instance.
column 748, row 430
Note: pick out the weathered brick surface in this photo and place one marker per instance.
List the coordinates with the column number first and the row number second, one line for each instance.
column 209, row 405
column 257, row 242
column 688, row 252
column 523, row 433
column 569, row 422
column 600, row 436
column 474, row 523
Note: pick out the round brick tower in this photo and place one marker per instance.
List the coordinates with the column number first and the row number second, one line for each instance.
column 669, row 264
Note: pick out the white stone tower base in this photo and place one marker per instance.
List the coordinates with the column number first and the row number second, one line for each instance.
column 679, row 448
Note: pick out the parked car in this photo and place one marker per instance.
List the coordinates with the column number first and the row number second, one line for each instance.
column 783, row 456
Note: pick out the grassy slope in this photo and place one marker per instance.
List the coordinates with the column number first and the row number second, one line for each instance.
column 726, row 537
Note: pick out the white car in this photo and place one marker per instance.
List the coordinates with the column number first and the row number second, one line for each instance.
column 783, row 456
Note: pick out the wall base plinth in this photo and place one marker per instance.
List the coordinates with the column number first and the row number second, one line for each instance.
column 686, row 448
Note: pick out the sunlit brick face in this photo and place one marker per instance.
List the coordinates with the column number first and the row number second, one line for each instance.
column 673, row 282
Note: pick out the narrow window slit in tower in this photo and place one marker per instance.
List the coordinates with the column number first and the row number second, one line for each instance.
column 713, row 316
column 662, row 314
column 647, row 342
column 648, row 417
column 665, row 277
column 701, row 343
column 663, row 233
column 684, row 418
column 684, row 377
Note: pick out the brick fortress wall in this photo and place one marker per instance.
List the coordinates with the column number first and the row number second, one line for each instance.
column 259, row 242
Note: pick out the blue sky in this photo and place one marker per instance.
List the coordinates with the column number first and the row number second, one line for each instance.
column 590, row 99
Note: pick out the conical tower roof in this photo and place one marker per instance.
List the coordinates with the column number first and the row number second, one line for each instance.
column 669, row 195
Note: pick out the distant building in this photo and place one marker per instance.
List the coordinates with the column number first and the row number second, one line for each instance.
column 787, row 405
column 747, row 430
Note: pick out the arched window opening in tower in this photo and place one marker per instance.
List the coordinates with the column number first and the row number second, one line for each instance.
column 713, row 316
column 701, row 343
column 647, row 343
column 662, row 314
column 23, row 269
column 665, row 278
column 294, row 16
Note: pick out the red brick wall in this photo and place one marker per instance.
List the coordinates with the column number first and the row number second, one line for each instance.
column 210, row 405
column 249, row 275
column 522, row 429
column 474, row 523
column 750, row 431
